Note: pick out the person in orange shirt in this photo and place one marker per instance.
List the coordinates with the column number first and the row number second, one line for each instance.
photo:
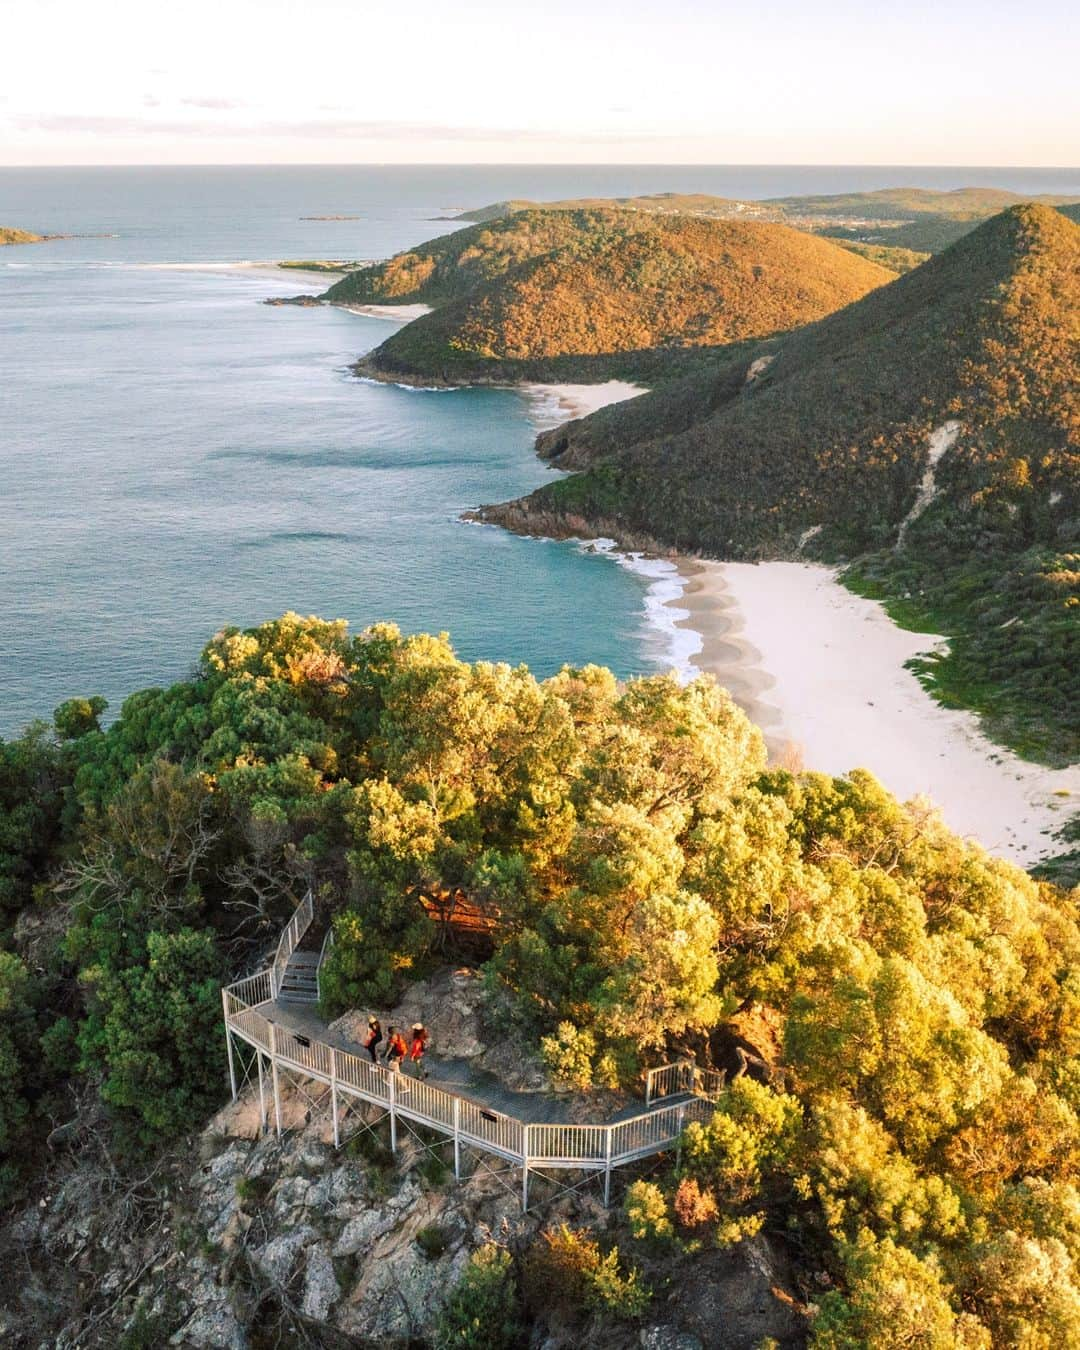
column 396, row 1050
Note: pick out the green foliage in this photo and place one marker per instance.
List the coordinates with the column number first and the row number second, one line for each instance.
column 481, row 1313
column 565, row 1268
column 893, row 1300
column 17, row 1073
column 78, row 716
column 643, row 876
column 154, row 1032
column 647, row 1211
column 362, row 969
column 33, row 774
column 431, row 1239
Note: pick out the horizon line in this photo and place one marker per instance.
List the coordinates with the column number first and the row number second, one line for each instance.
column 553, row 164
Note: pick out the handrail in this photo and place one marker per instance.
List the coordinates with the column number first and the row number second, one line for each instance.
column 540, row 1144
column 290, row 939
column 328, row 942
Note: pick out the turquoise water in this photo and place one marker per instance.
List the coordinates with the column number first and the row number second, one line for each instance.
column 175, row 456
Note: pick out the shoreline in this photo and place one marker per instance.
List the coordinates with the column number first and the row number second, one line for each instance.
column 550, row 405
column 821, row 671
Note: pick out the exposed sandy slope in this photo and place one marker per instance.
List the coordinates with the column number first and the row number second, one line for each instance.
column 822, row 672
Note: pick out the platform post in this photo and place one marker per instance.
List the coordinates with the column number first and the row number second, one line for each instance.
column 262, row 1091
column 607, row 1167
column 333, row 1095
column 525, row 1171
column 393, row 1113
column 457, row 1138
column 274, row 1076
column 228, row 1042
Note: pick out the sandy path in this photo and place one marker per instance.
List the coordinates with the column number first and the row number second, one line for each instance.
column 822, row 672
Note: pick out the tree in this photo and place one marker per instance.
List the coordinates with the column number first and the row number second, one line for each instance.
column 154, row 1033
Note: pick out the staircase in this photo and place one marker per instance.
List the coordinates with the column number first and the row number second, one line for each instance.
column 300, row 982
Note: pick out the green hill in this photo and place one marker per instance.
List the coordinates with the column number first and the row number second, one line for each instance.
column 834, row 436
column 904, row 219
column 595, row 284
column 10, row 235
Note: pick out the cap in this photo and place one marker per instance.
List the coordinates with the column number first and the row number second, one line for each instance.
column 418, row 1026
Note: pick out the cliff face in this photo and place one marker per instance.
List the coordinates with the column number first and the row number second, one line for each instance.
column 252, row 1241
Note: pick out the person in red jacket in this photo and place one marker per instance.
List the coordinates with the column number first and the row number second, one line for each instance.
column 417, row 1048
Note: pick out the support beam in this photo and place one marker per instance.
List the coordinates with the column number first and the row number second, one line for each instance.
column 607, row 1167
column 393, row 1077
column 262, row 1092
column 228, row 1042
column 333, row 1095
column 457, row 1139
column 274, row 1075
column 525, row 1170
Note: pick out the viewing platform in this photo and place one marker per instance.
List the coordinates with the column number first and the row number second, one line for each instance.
column 275, row 1015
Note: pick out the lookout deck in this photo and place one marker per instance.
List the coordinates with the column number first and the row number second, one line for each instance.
column 529, row 1131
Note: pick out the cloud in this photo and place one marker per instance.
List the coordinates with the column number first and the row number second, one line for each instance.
column 149, row 101
column 324, row 129
column 214, row 104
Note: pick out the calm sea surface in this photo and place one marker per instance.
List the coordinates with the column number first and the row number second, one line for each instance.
column 175, row 456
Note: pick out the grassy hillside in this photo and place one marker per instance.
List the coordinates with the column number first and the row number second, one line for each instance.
column 835, row 435
column 10, row 235
column 619, row 282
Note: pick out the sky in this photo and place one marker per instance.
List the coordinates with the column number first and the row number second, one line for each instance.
column 973, row 82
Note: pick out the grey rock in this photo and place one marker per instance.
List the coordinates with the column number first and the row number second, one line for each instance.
column 321, row 1290
column 213, row 1325
column 668, row 1338
column 359, row 1233
column 278, row 1256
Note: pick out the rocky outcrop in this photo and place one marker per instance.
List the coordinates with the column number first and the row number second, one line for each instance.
column 265, row 1241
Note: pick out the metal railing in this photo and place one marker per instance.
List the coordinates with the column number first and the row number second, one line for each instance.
column 290, row 940
column 328, row 942
column 598, row 1148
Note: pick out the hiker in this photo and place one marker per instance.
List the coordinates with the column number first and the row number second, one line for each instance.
column 396, row 1050
column 373, row 1039
column 417, row 1048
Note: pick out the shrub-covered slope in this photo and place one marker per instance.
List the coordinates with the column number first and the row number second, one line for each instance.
column 837, row 433
column 621, row 282
column 910, row 1130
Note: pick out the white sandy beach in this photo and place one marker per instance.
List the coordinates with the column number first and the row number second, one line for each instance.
column 552, row 404
column 395, row 313
column 822, row 672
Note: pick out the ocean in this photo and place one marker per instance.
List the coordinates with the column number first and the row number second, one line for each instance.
column 176, row 456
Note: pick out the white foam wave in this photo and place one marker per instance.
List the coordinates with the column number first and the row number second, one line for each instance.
column 667, row 645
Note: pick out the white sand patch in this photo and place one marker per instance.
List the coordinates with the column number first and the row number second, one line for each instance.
column 395, row 313
column 825, row 677
column 941, row 439
column 552, row 404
